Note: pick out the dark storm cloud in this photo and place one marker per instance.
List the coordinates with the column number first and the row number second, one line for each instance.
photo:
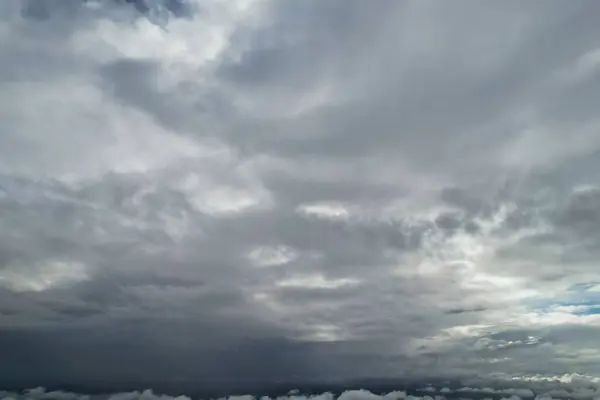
column 122, row 354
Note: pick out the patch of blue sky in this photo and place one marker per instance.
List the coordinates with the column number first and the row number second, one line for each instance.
column 579, row 299
column 594, row 310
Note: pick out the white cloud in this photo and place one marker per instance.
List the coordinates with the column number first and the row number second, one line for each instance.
column 331, row 211
column 361, row 394
column 269, row 256
column 316, row 281
column 42, row 276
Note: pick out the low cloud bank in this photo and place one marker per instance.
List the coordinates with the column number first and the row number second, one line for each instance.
column 432, row 393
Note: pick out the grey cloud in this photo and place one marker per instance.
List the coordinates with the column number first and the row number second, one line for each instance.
column 73, row 8
column 135, row 82
column 456, row 97
column 84, row 354
column 156, row 209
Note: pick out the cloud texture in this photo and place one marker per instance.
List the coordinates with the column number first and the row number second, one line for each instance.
column 275, row 190
column 565, row 387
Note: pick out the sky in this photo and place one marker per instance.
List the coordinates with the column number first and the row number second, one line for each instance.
column 276, row 190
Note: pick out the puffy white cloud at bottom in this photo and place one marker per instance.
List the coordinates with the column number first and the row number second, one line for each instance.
column 426, row 393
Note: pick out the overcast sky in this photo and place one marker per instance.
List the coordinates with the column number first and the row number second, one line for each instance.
column 264, row 190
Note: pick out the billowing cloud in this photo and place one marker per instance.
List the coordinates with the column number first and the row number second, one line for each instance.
column 427, row 393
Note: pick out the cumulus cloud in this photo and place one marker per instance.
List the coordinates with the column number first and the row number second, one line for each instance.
column 258, row 190
column 41, row 393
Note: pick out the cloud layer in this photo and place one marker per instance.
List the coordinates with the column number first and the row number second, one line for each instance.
column 561, row 387
column 298, row 190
